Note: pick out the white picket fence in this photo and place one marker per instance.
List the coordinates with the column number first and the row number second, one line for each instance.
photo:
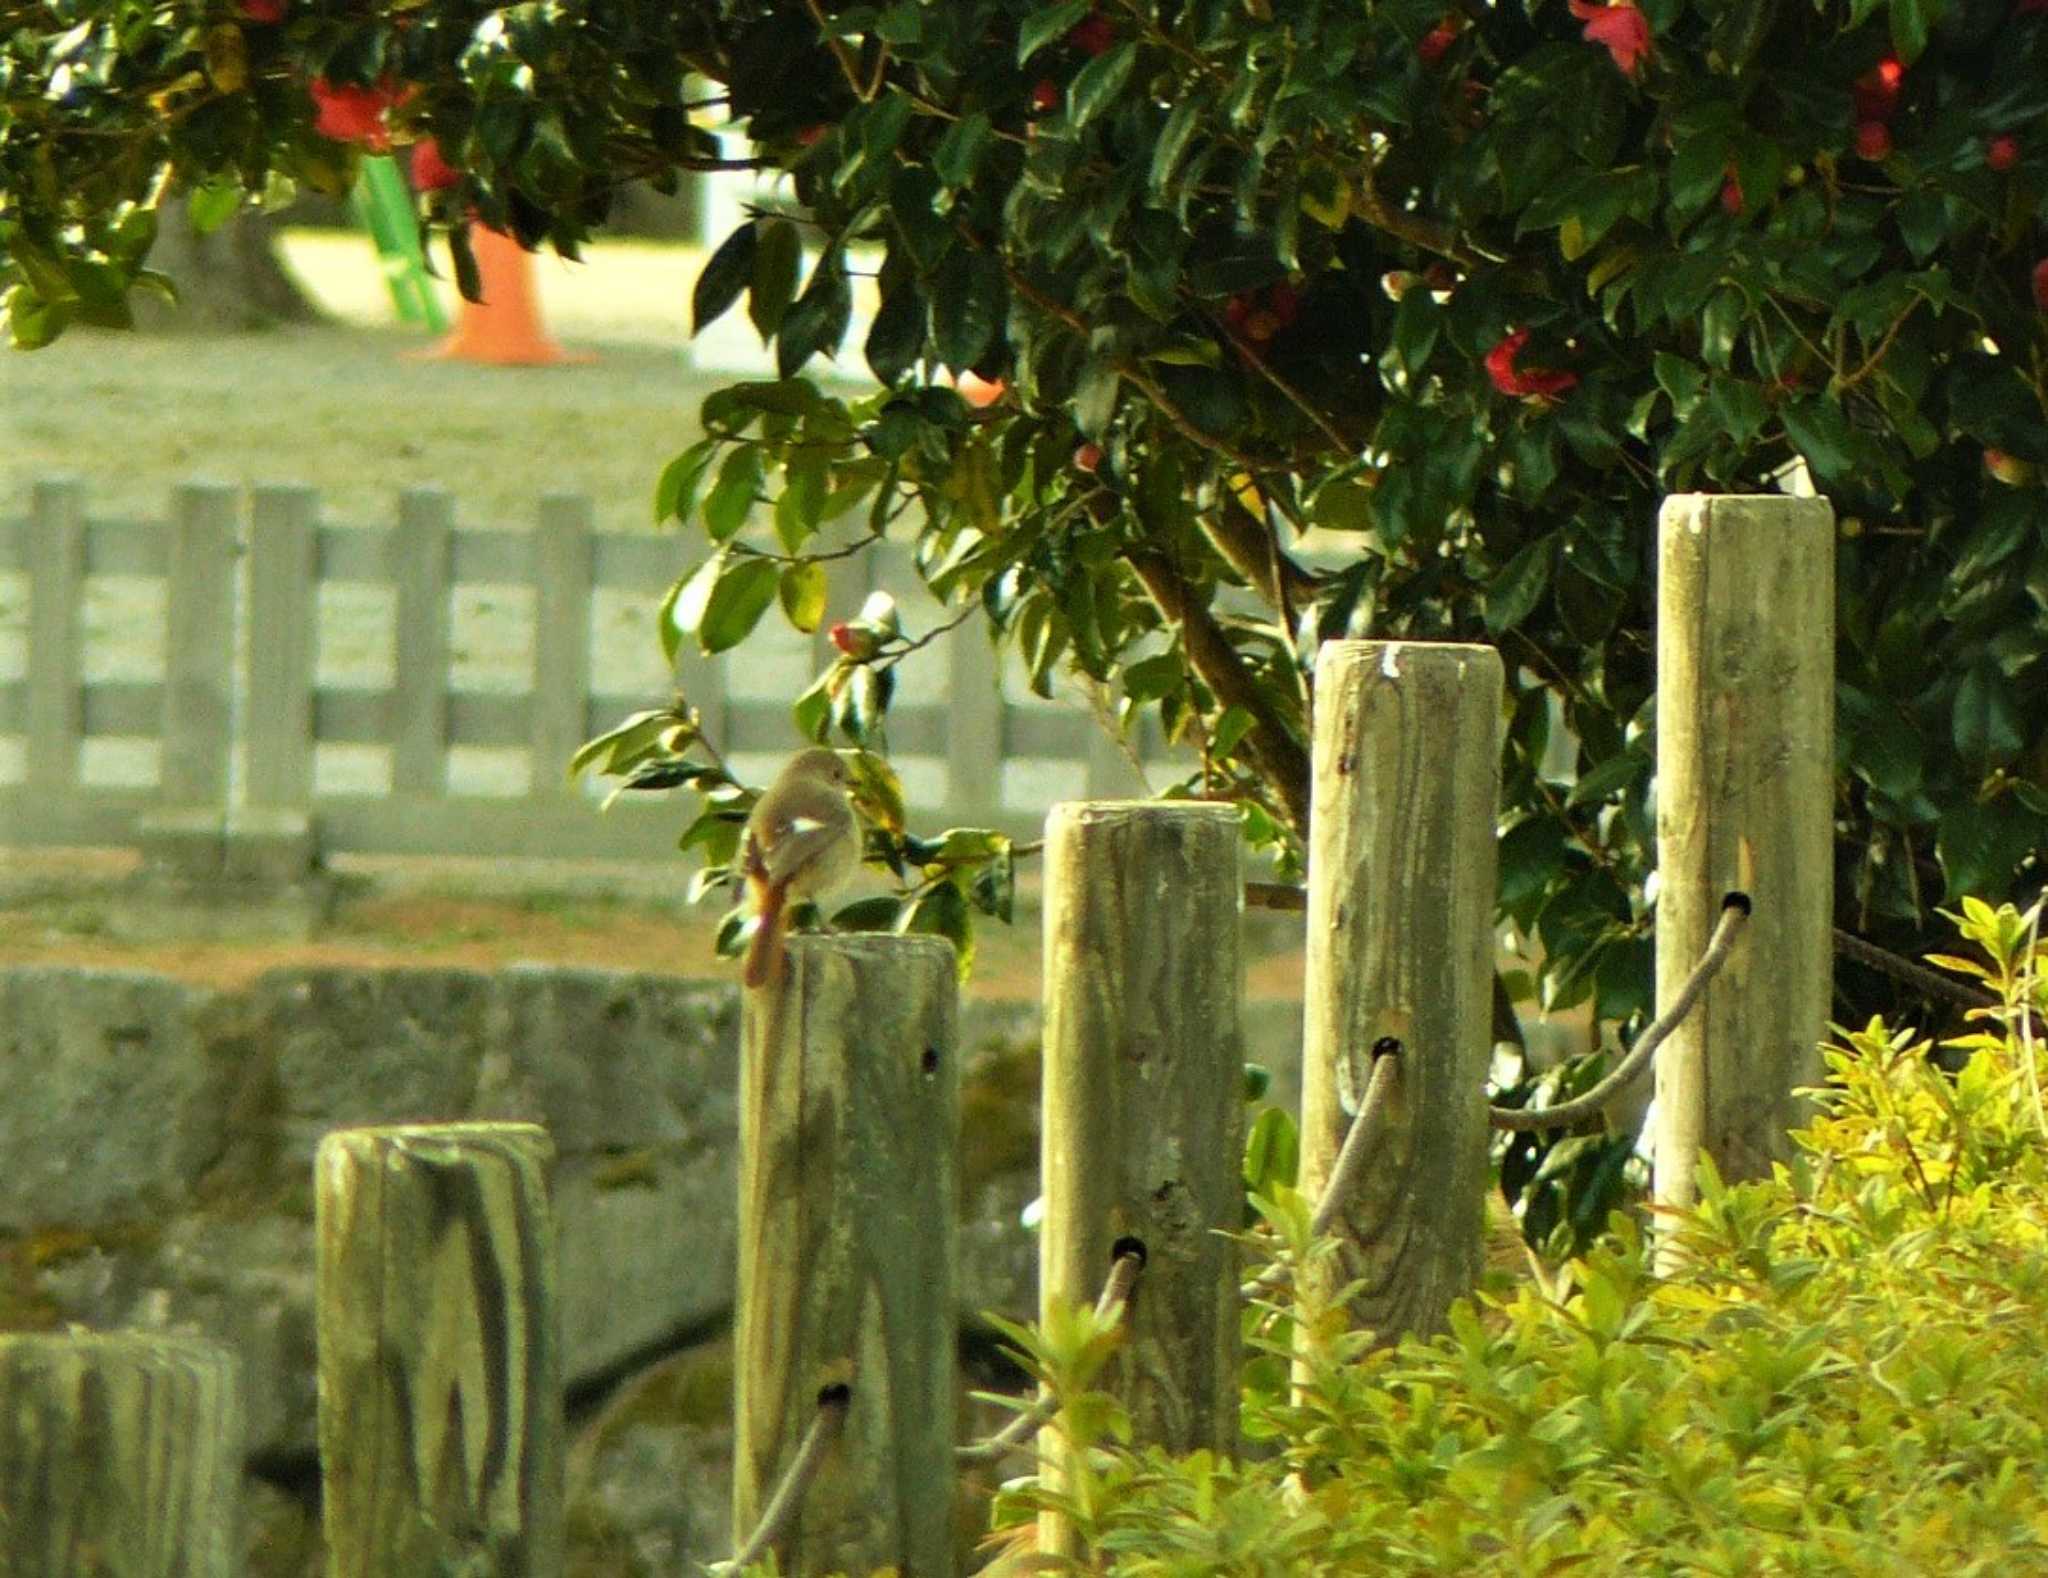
column 418, row 688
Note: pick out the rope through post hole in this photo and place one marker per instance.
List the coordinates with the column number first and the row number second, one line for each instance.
column 1114, row 1302
column 1386, row 1058
column 803, row 1468
column 1735, row 910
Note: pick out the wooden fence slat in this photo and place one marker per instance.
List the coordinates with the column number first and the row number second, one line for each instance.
column 282, row 613
column 56, row 574
column 1745, row 802
column 1401, row 886
column 120, row 1454
column 561, row 640
column 1144, row 1112
column 440, row 1359
column 418, row 569
column 849, row 1206
column 199, row 646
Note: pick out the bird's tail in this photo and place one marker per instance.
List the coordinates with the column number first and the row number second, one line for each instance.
column 764, row 951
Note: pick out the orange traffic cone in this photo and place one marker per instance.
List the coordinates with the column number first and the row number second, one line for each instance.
column 504, row 328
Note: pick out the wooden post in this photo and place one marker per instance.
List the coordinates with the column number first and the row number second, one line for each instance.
column 1745, row 801
column 282, row 611
column 120, row 1455
column 56, row 581
column 440, row 1359
column 199, row 648
column 849, row 1138
column 419, row 573
column 1400, row 944
column 562, row 561
column 1144, row 1110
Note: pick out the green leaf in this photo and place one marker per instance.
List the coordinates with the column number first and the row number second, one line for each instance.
column 1173, row 139
column 818, row 320
column 777, row 260
column 1042, row 27
column 1512, row 595
column 1608, row 779
column 1698, row 166
column 1209, row 396
column 1231, row 727
column 1986, row 722
column 941, row 911
column 213, row 205
column 726, row 273
column 1096, row 85
column 743, row 591
column 1911, row 22
column 800, row 507
column 682, row 610
column 1979, row 844
column 676, row 494
column 1820, row 432
column 732, row 495
column 802, row 590
column 960, row 150
column 897, row 335
column 1740, row 406
column 1272, row 1152
column 1095, row 393
column 469, row 279
column 969, row 300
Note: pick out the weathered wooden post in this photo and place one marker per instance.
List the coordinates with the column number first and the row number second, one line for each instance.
column 1144, row 1106
column 439, row 1351
column 121, row 1456
column 1745, row 802
column 1400, row 944
column 848, row 1202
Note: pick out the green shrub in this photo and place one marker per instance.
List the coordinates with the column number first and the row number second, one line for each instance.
column 1842, row 1374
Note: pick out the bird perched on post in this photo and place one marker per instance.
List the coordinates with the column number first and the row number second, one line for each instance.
column 802, row 842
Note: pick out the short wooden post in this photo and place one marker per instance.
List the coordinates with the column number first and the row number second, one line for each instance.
column 1399, row 938
column 120, row 1455
column 282, row 611
column 1144, row 1111
column 848, row 1210
column 562, row 560
column 1745, row 802
column 420, row 567
column 440, row 1359
column 56, row 581
column 199, row 648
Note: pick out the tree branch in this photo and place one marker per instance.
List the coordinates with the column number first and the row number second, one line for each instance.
column 1276, row 752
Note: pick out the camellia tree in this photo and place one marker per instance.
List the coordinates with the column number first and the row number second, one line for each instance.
column 1165, row 286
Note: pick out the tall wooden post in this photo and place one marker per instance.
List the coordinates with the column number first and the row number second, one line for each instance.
column 1745, row 801
column 440, row 1357
column 849, row 1207
column 120, row 1455
column 1144, row 1106
column 1400, row 944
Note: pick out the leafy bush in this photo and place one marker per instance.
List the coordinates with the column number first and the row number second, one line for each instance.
column 1840, row 1374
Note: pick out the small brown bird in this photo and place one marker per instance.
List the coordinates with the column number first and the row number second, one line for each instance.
column 802, row 842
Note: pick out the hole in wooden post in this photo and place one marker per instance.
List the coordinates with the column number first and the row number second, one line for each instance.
column 1736, row 899
column 929, row 1063
column 1127, row 1245
column 1386, row 1046
column 836, row 1395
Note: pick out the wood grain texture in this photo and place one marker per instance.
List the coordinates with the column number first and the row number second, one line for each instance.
column 1745, row 798
column 120, row 1457
column 1401, row 887
column 1144, row 1106
column 849, row 1208
column 283, row 624
column 440, row 1360
column 56, row 636
column 199, row 646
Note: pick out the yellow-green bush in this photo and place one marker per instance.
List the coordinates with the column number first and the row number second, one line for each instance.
column 1847, row 1375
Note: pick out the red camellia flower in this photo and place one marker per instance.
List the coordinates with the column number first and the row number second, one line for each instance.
column 1436, row 41
column 2041, row 284
column 1542, row 383
column 431, row 172
column 263, row 11
column 1045, row 96
column 1621, row 28
column 1731, row 193
column 1093, row 34
column 1873, row 141
column 2002, row 152
column 1877, row 90
column 353, row 114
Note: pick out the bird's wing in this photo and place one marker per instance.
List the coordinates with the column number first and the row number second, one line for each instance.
column 794, row 841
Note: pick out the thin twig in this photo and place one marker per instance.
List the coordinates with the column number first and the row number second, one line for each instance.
column 1350, row 1162
column 1734, row 911
column 1114, row 1302
column 825, row 1427
column 1919, row 977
